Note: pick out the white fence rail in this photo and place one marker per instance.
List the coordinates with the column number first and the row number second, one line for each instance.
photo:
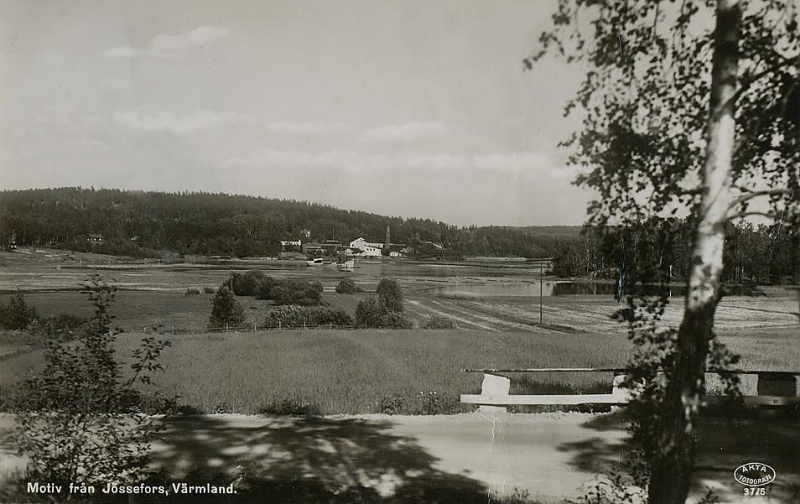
column 774, row 388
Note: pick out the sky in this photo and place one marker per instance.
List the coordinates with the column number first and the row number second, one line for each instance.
column 408, row 108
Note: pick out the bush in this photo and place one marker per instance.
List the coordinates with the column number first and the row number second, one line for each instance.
column 433, row 403
column 79, row 420
column 395, row 320
column 264, row 290
column 297, row 292
column 209, row 290
column 247, row 284
column 307, row 316
column 438, row 322
column 159, row 404
column 283, row 292
column 348, row 286
column 394, row 404
column 191, row 291
column 63, row 327
column 289, row 407
column 368, row 313
column 371, row 313
column 226, row 310
column 16, row 314
column 390, row 295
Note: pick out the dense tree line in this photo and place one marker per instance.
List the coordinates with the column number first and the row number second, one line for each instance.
column 147, row 224
column 660, row 250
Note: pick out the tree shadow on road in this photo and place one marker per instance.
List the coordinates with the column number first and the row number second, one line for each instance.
column 724, row 443
column 606, row 452
column 307, row 460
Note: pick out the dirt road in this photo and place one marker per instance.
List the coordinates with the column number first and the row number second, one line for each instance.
column 457, row 458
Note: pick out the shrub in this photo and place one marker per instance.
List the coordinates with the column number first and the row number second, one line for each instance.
column 372, row 313
column 433, row 403
column 264, row 289
column 395, row 320
column 191, row 291
column 63, row 327
column 518, row 496
column 16, row 314
column 368, row 313
column 617, row 487
column 297, row 292
column 289, row 406
column 283, row 292
column 79, row 420
column 209, row 290
column 251, row 281
column 347, row 286
column 246, row 284
column 394, row 404
column 390, row 295
column 225, row 309
column 159, row 404
column 438, row 322
column 307, row 316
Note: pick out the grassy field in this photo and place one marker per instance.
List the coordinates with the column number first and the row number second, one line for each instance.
column 593, row 313
column 172, row 311
column 337, row 371
column 350, row 371
column 345, row 371
column 143, row 311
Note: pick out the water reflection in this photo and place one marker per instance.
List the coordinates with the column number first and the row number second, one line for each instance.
column 610, row 288
column 569, row 288
column 528, row 289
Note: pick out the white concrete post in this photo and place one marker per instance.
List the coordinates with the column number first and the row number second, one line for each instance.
column 622, row 394
column 494, row 385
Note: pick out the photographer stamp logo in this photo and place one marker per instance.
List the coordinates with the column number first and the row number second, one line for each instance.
column 754, row 474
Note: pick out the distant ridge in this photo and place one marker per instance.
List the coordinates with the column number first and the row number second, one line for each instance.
column 146, row 223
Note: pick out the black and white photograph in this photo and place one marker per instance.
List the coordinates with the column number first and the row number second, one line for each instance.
column 400, row 251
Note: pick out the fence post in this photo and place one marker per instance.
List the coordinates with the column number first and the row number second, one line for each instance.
column 494, row 385
column 776, row 384
column 622, row 394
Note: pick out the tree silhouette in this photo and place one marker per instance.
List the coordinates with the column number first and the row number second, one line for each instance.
column 683, row 115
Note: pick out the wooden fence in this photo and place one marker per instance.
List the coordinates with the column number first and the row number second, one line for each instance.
column 774, row 388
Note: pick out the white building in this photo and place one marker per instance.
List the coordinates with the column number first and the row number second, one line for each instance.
column 368, row 249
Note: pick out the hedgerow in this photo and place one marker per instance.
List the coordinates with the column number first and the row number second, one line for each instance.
column 307, row 316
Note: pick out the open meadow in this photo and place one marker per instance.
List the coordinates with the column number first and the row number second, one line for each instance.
column 253, row 395
column 372, row 371
column 332, row 371
column 479, row 295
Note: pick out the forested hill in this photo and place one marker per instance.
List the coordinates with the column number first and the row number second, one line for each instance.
column 139, row 224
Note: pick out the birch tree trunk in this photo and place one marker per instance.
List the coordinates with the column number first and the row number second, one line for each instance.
column 671, row 473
